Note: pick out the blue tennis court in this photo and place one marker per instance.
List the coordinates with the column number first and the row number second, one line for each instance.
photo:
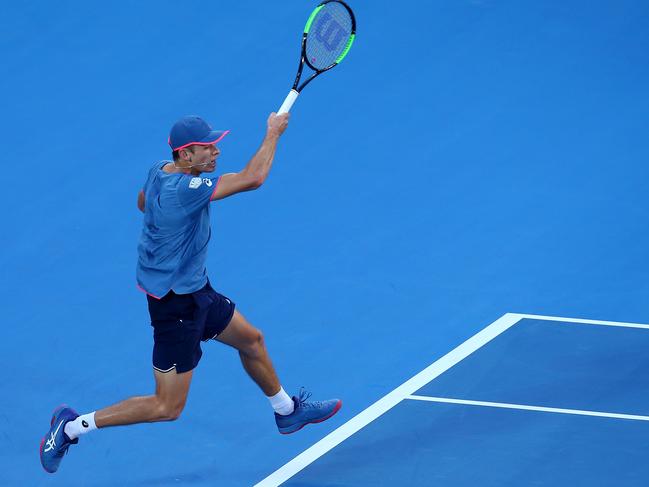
column 524, row 402
column 452, row 240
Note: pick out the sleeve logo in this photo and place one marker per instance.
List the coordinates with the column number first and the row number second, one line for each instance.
column 195, row 183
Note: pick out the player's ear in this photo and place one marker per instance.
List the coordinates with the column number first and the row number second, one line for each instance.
column 184, row 153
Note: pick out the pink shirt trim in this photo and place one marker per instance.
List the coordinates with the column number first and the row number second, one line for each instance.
column 146, row 292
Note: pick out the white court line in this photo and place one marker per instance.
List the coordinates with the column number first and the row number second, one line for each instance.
column 390, row 400
column 402, row 392
column 582, row 321
column 505, row 405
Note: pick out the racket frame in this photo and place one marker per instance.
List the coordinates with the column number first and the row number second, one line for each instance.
column 297, row 87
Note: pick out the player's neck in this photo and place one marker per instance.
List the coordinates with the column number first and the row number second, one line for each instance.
column 173, row 167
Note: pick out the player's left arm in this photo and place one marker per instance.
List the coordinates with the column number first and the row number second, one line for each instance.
column 140, row 201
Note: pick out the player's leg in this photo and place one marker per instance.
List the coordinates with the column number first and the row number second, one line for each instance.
column 249, row 341
column 176, row 352
column 165, row 405
column 66, row 425
column 291, row 414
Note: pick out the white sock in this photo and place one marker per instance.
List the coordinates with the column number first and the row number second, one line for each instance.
column 282, row 403
column 80, row 426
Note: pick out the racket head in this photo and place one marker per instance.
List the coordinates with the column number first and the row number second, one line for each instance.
column 328, row 35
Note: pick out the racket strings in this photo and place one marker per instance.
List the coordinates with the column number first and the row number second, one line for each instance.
column 328, row 36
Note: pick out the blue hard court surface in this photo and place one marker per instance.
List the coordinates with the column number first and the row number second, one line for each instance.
column 468, row 158
column 540, row 363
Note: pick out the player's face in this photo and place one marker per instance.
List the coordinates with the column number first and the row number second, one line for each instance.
column 203, row 157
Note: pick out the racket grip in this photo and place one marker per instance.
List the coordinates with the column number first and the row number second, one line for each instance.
column 288, row 102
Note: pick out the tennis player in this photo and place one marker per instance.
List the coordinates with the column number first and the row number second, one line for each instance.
column 183, row 306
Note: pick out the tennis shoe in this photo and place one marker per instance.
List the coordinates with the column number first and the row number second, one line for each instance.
column 55, row 443
column 306, row 412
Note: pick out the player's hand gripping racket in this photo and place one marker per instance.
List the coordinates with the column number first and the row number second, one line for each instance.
column 328, row 36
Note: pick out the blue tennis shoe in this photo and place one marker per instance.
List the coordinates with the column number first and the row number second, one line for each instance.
column 55, row 443
column 306, row 412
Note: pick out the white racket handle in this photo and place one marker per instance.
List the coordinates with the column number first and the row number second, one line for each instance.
column 288, row 102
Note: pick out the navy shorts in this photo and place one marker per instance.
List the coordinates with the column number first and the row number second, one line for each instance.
column 181, row 321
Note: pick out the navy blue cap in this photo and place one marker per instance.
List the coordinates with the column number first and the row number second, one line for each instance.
column 192, row 130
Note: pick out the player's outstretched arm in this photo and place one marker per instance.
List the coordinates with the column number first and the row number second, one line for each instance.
column 256, row 171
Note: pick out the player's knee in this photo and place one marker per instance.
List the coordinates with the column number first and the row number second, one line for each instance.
column 170, row 411
column 174, row 413
column 255, row 344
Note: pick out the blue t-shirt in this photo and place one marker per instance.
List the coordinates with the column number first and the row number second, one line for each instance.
column 173, row 245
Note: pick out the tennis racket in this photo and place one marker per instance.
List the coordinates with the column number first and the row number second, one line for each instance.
column 328, row 36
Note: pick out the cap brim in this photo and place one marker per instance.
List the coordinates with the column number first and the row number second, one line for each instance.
column 212, row 138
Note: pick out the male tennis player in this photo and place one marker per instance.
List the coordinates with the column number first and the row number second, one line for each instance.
column 184, row 308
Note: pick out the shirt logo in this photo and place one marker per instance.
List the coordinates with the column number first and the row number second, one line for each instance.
column 208, row 182
column 195, row 183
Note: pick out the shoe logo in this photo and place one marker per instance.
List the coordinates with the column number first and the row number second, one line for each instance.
column 84, row 423
column 51, row 443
